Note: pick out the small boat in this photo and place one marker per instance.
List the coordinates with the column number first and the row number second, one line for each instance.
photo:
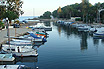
column 99, row 32
column 84, row 28
column 68, row 23
column 17, row 40
column 60, row 22
column 19, row 43
column 38, row 38
column 74, row 25
column 14, row 67
column 41, row 34
column 45, row 28
column 19, row 50
column 6, row 57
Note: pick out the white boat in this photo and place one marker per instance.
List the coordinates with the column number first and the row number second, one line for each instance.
column 74, row 25
column 27, row 39
column 20, row 43
column 45, row 28
column 17, row 40
column 84, row 28
column 99, row 32
column 6, row 57
column 13, row 67
column 20, row 50
column 39, row 30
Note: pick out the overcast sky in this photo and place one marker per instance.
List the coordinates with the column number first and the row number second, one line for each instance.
column 38, row 7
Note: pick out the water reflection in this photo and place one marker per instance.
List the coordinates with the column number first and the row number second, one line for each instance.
column 83, row 41
column 102, row 41
column 59, row 30
column 96, row 42
column 47, row 23
column 68, row 31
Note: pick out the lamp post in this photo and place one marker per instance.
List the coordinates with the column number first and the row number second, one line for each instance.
column 8, row 30
column 99, row 13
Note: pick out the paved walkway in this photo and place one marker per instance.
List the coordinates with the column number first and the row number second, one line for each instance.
column 19, row 31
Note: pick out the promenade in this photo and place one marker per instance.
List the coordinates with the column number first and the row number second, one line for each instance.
column 19, row 31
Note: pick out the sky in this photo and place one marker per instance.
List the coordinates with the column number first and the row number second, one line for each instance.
column 38, row 7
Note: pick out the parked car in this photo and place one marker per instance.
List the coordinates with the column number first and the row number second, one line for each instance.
column 16, row 25
column 24, row 21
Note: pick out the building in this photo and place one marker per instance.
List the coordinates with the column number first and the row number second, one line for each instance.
column 85, row 1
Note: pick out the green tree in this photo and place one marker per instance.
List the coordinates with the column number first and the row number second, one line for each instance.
column 15, row 6
column 10, row 15
column 12, row 10
column 46, row 15
column 1, row 25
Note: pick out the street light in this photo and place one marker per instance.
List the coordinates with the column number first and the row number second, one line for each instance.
column 7, row 26
column 99, row 13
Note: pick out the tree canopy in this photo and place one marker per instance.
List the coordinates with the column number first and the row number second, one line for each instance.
column 85, row 10
column 12, row 10
column 46, row 15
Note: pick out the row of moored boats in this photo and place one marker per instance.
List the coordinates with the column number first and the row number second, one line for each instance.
column 95, row 30
column 23, row 46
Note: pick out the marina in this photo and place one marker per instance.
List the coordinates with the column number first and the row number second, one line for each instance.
column 72, row 49
column 51, row 34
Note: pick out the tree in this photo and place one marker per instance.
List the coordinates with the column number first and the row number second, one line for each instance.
column 59, row 11
column 1, row 25
column 15, row 6
column 46, row 15
column 85, row 10
column 12, row 10
column 10, row 15
column 54, row 13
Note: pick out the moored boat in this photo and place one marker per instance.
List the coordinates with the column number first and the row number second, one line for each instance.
column 20, row 50
column 14, row 67
column 6, row 57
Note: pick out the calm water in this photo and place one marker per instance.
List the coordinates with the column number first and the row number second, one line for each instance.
column 66, row 48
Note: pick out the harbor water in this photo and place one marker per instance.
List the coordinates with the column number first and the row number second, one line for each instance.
column 67, row 48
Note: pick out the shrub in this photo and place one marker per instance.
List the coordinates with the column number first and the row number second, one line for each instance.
column 1, row 25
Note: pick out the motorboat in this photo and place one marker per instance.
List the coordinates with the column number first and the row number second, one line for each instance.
column 20, row 50
column 84, row 28
column 6, row 57
column 19, row 43
column 14, row 67
column 99, row 32
column 37, row 38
